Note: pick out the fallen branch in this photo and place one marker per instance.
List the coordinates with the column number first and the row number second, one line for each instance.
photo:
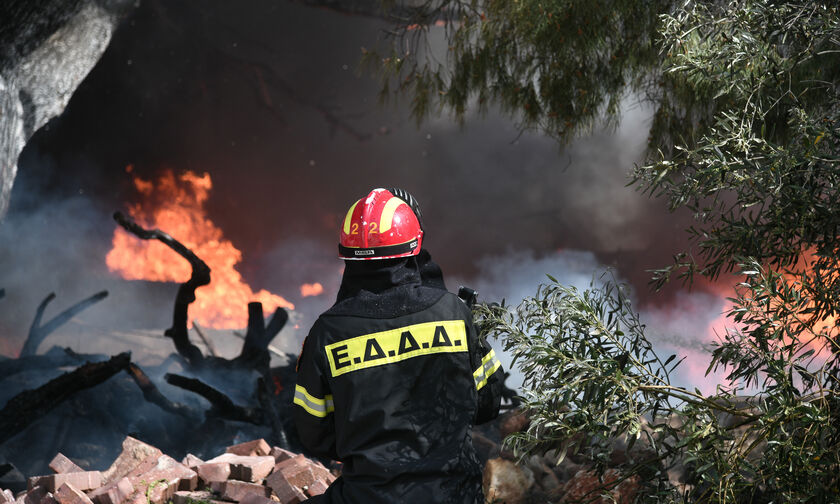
column 207, row 341
column 29, row 405
column 38, row 332
column 154, row 396
column 186, row 292
column 56, row 357
column 222, row 405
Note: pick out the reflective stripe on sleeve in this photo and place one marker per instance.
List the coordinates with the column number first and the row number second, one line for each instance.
column 313, row 405
column 489, row 364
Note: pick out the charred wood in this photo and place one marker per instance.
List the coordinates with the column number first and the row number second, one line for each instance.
column 255, row 348
column 154, row 396
column 56, row 357
column 271, row 348
column 207, row 341
column 186, row 292
column 265, row 386
column 29, row 405
column 222, row 405
column 38, row 332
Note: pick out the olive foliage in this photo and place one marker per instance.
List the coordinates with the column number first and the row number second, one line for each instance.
column 745, row 136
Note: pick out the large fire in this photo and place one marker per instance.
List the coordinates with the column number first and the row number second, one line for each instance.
column 175, row 204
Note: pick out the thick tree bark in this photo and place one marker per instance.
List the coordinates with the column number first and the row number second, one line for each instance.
column 47, row 47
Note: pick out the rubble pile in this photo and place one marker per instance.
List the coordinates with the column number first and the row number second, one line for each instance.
column 247, row 473
column 546, row 478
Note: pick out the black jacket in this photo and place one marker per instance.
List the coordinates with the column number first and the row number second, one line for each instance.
column 390, row 380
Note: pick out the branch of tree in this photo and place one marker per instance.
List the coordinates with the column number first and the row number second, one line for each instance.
column 29, row 405
column 223, row 406
column 56, row 357
column 154, row 396
column 207, row 341
column 186, row 292
column 38, row 332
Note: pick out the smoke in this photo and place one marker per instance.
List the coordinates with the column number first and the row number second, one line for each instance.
column 688, row 325
column 685, row 324
column 291, row 136
column 60, row 247
column 516, row 274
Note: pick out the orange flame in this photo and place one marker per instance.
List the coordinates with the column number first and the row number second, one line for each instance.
column 313, row 289
column 176, row 206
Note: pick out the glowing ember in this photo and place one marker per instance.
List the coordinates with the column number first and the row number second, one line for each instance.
column 313, row 289
column 176, row 205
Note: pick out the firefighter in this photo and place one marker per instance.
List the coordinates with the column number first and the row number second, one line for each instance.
column 393, row 376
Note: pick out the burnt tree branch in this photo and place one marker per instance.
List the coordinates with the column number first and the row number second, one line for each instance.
column 38, row 332
column 154, row 396
column 222, row 405
column 56, row 357
column 255, row 348
column 186, row 292
column 29, row 405
column 207, row 341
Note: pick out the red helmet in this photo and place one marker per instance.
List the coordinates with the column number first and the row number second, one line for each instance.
column 380, row 226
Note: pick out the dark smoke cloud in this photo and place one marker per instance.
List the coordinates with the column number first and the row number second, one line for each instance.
column 263, row 96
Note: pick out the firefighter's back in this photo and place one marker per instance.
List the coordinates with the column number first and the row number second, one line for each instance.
column 404, row 399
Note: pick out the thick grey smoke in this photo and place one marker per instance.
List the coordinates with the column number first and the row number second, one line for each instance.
column 262, row 95
column 685, row 325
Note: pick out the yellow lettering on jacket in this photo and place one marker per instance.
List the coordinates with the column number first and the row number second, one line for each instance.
column 396, row 345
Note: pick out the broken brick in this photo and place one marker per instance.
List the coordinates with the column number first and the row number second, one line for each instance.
column 284, row 489
column 213, row 471
column 162, row 481
column 257, row 499
column 280, row 454
column 321, row 472
column 86, row 480
column 192, row 461
column 237, row 490
column 114, row 493
column 299, row 476
column 68, row 494
column 296, row 460
column 61, row 464
column 301, row 471
column 317, row 487
column 185, row 497
column 246, row 468
column 36, row 495
column 134, row 454
column 250, row 448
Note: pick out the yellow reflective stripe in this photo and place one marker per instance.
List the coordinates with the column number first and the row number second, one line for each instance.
column 387, row 217
column 313, row 405
column 490, row 355
column 489, row 364
column 349, row 217
column 396, row 345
